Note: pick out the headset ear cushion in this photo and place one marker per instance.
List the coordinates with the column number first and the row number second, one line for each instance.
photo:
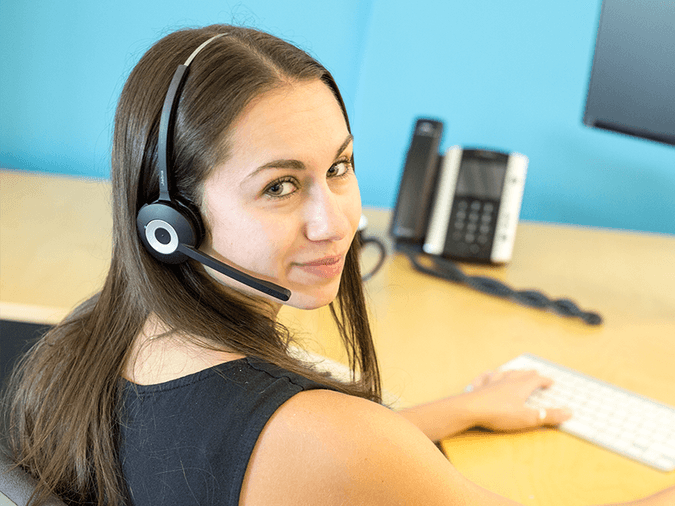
column 162, row 228
column 191, row 212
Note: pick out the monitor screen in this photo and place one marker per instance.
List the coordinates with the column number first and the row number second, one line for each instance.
column 632, row 84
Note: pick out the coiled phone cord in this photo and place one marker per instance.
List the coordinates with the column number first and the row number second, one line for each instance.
column 447, row 269
column 382, row 255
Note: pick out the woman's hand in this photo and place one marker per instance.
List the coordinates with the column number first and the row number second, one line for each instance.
column 497, row 401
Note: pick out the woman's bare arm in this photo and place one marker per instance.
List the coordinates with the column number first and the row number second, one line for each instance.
column 326, row 448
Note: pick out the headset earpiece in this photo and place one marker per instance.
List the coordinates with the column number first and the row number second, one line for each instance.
column 163, row 227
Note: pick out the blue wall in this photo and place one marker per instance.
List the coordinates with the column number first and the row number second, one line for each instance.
column 506, row 75
column 64, row 64
column 513, row 76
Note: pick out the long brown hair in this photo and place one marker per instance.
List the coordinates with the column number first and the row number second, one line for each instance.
column 65, row 395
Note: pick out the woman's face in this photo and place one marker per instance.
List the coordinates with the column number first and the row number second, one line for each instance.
column 285, row 205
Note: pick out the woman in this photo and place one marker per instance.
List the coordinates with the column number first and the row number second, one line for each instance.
column 175, row 384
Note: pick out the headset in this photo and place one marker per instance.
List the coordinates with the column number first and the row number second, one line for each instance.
column 171, row 230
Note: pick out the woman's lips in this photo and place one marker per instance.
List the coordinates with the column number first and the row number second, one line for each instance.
column 327, row 267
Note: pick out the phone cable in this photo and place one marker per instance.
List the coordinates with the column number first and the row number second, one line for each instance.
column 382, row 255
column 447, row 269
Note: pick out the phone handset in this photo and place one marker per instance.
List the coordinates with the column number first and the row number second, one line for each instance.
column 418, row 182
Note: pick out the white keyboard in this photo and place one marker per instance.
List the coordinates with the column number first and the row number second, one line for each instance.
column 604, row 414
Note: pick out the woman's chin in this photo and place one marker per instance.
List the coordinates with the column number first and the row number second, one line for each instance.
column 312, row 299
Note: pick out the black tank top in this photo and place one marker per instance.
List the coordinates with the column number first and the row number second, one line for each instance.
column 188, row 441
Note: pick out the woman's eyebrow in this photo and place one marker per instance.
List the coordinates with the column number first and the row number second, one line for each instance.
column 344, row 145
column 296, row 164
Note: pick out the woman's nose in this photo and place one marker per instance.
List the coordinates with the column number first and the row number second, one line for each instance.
column 325, row 217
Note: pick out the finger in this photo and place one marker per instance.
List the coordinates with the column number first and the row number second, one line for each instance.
column 537, row 380
column 552, row 416
column 545, row 381
column 482, row 380
column 498, row 375
column 528, row 379
column 517, row 374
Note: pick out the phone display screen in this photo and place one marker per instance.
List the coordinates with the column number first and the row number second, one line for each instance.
column 481, row 178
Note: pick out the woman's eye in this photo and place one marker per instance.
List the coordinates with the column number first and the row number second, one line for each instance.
column 281, row 188
column 341, row 168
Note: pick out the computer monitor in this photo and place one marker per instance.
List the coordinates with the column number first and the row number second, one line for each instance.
column 632, row 83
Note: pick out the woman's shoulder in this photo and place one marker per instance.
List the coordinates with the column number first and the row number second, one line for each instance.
column 325, row 447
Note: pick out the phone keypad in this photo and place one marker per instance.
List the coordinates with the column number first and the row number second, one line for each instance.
column 472, row 226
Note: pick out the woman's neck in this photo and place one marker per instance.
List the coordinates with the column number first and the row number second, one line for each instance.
column 159, row 355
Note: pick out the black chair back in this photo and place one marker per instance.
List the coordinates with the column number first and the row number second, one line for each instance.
column 17, row 485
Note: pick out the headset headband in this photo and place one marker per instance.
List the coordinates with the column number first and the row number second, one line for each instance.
column 165, row 141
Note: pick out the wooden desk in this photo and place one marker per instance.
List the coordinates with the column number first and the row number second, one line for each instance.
column 432, row 336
